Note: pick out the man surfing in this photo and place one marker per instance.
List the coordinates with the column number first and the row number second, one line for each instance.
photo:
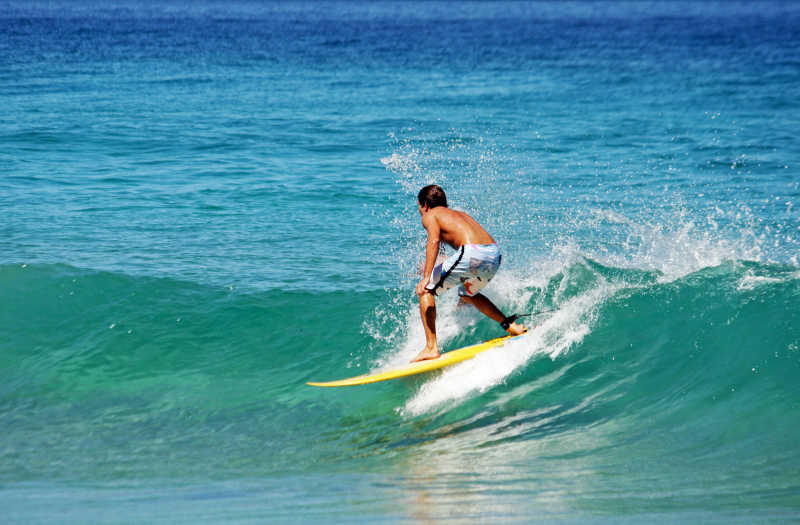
column 471, row 267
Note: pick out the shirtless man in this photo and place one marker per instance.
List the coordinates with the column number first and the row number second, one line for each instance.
column 475, row 262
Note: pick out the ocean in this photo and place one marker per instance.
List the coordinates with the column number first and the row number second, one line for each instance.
column 207, row 204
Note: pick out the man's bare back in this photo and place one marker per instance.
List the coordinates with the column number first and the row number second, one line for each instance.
column 458, row 228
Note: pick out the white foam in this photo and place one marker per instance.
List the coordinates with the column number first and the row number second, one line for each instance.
column 554, row 336
column 406, row 165
column 751, row 281
column 677, row 247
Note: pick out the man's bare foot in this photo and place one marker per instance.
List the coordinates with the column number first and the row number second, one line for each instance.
column 427, row 353
column 516, row 329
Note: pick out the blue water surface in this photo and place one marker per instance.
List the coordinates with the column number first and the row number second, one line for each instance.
column 204, row 204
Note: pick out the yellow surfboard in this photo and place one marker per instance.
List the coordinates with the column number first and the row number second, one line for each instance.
column 448, row 358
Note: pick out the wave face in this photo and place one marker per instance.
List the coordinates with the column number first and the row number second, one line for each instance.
column 679, row 386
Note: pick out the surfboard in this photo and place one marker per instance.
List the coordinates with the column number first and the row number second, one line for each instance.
column 446, row 359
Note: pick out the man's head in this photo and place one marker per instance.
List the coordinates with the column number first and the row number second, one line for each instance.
column 432, row 196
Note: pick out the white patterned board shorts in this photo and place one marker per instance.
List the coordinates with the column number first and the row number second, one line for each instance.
column 470, row 268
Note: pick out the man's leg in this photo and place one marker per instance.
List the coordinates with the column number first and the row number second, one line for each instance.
column 427, row 310
column 487, row 308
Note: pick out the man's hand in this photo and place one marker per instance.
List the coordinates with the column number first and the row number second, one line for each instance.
column 421, row 290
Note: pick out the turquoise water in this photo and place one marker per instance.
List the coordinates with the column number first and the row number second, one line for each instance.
column 205, row 206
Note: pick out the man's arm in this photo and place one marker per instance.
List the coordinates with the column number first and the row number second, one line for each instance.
column 431, row 250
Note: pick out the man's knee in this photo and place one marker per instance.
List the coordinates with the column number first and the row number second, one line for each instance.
column 427, row 299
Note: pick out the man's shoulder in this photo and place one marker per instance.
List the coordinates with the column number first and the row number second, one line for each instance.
column 448, row 219
column 441, row 211
column 449, row 214
column 441, row 214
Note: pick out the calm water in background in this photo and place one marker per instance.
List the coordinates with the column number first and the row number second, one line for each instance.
column 205, row 205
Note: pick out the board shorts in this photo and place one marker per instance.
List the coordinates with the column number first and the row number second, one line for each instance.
column 470, row 268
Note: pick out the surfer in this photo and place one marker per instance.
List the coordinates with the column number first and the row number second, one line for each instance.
column 471, row 267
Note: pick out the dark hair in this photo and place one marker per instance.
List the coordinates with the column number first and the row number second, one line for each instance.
column 432, row 196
